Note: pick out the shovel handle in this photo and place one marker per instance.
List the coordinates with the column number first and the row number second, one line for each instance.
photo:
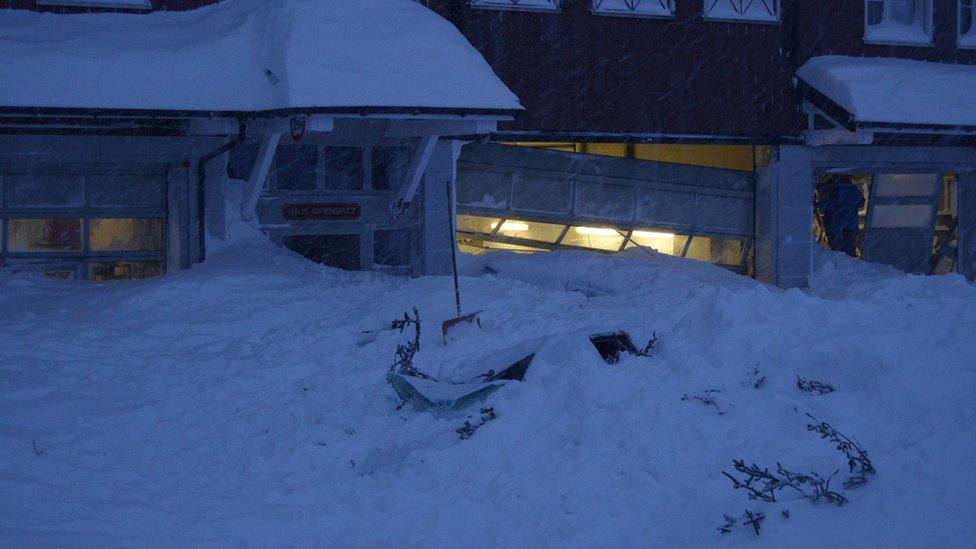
column 450, row 224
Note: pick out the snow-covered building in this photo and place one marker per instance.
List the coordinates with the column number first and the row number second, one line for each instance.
column 702, row 128
column 339, row 119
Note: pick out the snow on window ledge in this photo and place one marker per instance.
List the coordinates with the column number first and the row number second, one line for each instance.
column 752, row 11
column 891, row 32
column 634, row 8
column 527, row 5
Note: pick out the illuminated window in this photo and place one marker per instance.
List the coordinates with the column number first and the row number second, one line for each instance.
column 597, row 238
column 476, row 224
column 742, row 10
column 531, row 230
column 634, row 7
column 134, row 235
column 124, row 270
column 898, row 21
column 967, row 25
column 536, row 5
column 43, row 235
column 666, row 243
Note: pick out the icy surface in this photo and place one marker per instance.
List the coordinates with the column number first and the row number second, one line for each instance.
column 247, row 55
column 232, row 404
column 880, row 89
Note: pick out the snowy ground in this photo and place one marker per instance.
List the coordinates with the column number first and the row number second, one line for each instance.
column 237, row 403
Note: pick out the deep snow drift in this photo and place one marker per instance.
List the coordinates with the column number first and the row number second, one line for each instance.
column 238, row 403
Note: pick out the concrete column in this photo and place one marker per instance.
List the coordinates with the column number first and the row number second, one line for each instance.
column 967, row 225
column 784, row 218
column 436, row 237
column 216, row 202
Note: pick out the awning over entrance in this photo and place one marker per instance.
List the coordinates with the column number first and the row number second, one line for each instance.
column 247, row 56
column 886, row 93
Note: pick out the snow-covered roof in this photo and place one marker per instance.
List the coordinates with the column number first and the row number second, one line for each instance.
column 897, row 91
column 246, row 55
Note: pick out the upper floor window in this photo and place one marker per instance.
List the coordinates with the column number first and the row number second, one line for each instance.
column 742, row 10
column 118, row 4
column 967, row 23
column 537, row 5
column 652, row 8
column 898, row 21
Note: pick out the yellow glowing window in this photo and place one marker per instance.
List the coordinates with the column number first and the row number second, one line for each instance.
column 126, row 235
column 598, row 238
column 530, row 230
column 661, row 241
column 44, row 235
column 476, row 224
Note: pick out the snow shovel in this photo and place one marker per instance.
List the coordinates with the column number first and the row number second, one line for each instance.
column 460, row 320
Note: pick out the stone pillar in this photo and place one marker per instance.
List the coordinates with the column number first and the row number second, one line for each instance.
column 784, row 218
column 966, row 265
column 436, row 237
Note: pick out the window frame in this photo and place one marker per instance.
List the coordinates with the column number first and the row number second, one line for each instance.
column 966, row 41
column 598, row 7
column 555, row 6
column 709, row 5
column 928, row 26
column 133, row 5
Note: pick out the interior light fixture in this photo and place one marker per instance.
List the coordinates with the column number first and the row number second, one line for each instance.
column 512, row 226
column 597, row 231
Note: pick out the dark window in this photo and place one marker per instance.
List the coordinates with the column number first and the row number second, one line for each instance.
column 136, row 190
column 241, row 161
column 40, row 190
column 391, row 247
column 389, row 163
column 340, row 251
column 343, row 168
column 295, row 167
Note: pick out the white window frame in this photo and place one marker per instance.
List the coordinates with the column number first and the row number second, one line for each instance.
column 520, row 5
column 634, row 8
column 926, row 30
column 746, row 11
column 110, row 4
column 967, row 39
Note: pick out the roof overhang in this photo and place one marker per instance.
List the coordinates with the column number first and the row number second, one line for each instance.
column 895, row 98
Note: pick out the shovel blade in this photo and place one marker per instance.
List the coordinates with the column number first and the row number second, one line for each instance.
column 454, row 324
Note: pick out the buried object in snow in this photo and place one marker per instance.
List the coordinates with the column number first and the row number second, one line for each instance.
column 428, row 393
column 613, row 344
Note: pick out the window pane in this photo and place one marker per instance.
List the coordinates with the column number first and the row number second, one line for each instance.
column 41, row 190
column 722, row 251
column 875, row 13
column 606, row 201
column 664, row 242
column 476, row 224
column 124, row 270
column 541, row 194
column 343, row 168
column 125, row 235
column 599, row 238
column 125, row 190
column 389, row 165
column 530, row 230
column 391, row 247
column 483, row 189
column 295, row 167
column 44, row 235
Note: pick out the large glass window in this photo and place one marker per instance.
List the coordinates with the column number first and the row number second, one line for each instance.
column 43, row 235
column 136, row 235
column 343, row 168
column 294, row 167
column 646, row 8
column 44, row 191
column 539, row 5
column 742, row 10
column 967, row 25
column 898, row 21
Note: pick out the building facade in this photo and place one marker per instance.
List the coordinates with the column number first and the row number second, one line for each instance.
column 701, row 128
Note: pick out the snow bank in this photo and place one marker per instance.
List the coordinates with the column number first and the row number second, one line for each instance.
column 237, row 403
column 880, row 89
column 246, row 55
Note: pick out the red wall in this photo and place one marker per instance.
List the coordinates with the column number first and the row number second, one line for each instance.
column 576, row 72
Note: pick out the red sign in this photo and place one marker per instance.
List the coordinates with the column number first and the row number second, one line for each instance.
column 306, row 212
